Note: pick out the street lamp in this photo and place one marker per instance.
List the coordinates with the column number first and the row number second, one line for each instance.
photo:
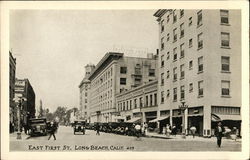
column 183, row 107
column 19, row 101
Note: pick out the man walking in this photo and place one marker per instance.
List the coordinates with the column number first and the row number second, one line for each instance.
column 138, row 130
column 219, row 133
column 97, row 129
column 193, row 130
column 52, row 129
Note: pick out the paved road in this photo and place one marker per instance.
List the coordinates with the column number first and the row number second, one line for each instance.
column 67, row 141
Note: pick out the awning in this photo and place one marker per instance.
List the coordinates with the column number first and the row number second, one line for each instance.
column 119, row 117
column 133, row 120
column 223, row 117
column 159, row 119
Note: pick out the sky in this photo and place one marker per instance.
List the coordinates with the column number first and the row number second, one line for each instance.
column 53, row 46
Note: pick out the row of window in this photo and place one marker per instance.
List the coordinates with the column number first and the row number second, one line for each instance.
column 150, row 100
column 224, row 18
column 151, row 72
column 104, row 77
column 105, row 105
column 225, row 90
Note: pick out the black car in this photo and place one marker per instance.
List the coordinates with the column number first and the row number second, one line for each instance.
column 38, row 126
column 79, row 126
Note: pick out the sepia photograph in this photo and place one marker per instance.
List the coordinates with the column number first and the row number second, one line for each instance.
column 155, row 80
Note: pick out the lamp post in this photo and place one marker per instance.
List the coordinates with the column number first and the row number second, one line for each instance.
column 19, row 101
column 183, row 107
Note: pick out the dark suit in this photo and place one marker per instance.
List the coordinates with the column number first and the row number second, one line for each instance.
column 219, row 134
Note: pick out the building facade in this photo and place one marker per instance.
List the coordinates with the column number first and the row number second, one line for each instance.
column 199, row 64
column 12, row 77
column 84, row 93
column 24, row 89
column 115, row 74
column 138, row 104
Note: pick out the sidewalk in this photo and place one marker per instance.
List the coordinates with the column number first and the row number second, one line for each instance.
column 13, row 136
column 188, row 138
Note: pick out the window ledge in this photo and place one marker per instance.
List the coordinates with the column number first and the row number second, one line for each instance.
column 199, row 48
column 182, row 57
column 200, row 96
column 199, row 72
column 225, row 96
column 225, row 47
column 225, row 24
column 225, row 72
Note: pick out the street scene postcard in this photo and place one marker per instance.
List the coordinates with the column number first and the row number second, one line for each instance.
column 152, row 81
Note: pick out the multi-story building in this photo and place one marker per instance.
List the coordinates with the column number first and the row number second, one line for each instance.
column 138, row 104
column 199, row 63
column 114, row 74
column 23, row 89
column 12, row 77
column 84, row 93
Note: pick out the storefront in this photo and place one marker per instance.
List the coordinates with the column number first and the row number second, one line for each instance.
column 177, row 119
column 195, row 118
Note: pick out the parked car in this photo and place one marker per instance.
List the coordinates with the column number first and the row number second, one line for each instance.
column 38, row 126
column 79, row 126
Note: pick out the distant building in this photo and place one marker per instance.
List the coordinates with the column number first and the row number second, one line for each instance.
column 24, row 89
column 200, row 63
column 138, row 104
column 84, row 93
column 114, row 74
column 12, row 77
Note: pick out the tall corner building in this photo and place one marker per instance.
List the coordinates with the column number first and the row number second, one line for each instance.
column 114, row 74
column 200, row 64
column 84, row 88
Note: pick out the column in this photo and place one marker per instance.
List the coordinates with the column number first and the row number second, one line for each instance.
column 158, row 116
column 186, row 121
column 143, row 117
column 170, row 117
column 207, row 121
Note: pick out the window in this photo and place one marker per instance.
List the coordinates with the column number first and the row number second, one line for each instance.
column 190, row 21
column 151, row 72
column 175, row 54
column 190, row 43
column 182, row 71
column 175, row 94
column 123, row 70
column 130, row 106
column 200, row 88
column 182, row 30
column 225, row 64
column 151, row 100
column 162, row 43
column 182, row 50
column 155, row 97
column 162, row 79
column 199, row 18
column 162, row 25
column 175, row 73
column 167, row 74
column 146, row 104
column 137, row 70
column 200, row 64
column 191, row 87
column 225, row 37
column 224, row 17
column 140, row 102
column 181, row 13
column 200, row 41
column 162, row 97
column 168, row 18
column 190, row 64
column 135, row 103
column 182, row 92
column 162, row 61
column 86, row 100
column 174, row 35
column 168, row 93
column 225, row 88
column 174, row 17
column 123, row 81
column 86, row 94
column 168, row 55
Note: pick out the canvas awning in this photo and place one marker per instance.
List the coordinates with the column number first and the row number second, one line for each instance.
column 159, row 119
column 133, row 120
column 223, row 117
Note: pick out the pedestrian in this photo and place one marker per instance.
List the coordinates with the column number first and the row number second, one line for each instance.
column 168, row 130
column 52, row 129
column 174, row 130
column 138, row 130
column 146, row 128
column 193, row 130
column 97, row 129
column 219, row 131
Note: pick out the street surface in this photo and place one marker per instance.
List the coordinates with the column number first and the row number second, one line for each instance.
column 67, row 141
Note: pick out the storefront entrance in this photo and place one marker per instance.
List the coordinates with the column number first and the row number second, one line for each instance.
column 196, row 121
column 177, row 121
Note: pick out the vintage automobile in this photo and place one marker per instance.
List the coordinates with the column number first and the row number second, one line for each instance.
column 79, row 126
column 38, row 126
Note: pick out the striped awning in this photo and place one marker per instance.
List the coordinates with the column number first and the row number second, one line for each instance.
column 224, row 117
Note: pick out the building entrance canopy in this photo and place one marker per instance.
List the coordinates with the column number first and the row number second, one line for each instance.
column 221, row 117
column 159, row 119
